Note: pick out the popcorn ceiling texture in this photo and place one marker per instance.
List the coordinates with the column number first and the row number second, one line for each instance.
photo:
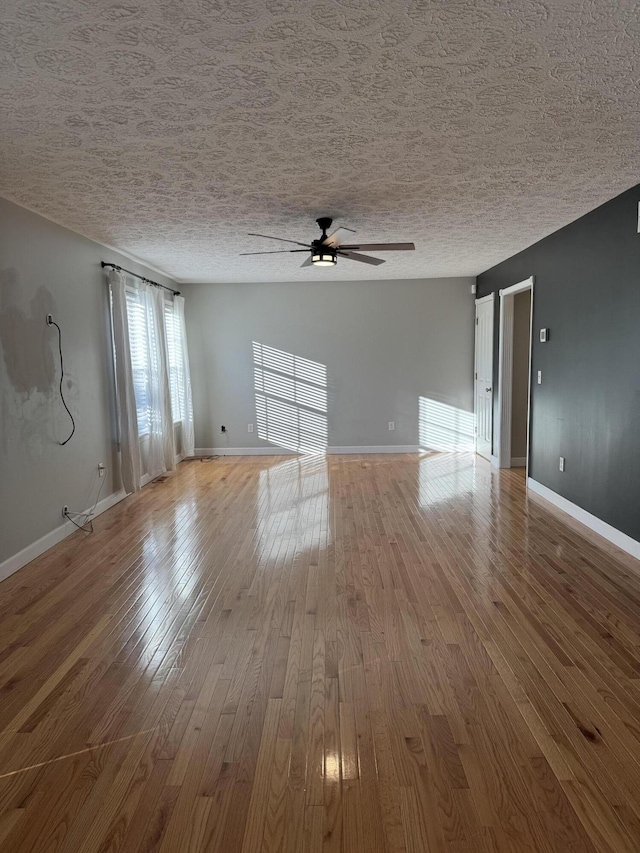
column 171, row 129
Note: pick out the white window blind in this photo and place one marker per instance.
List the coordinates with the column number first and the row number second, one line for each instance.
column 140, row 360
column 140, row 331
column 175, row 357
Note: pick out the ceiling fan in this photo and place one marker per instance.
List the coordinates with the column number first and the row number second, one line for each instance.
column 325, row 251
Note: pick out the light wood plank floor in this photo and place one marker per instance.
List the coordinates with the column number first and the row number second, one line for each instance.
column 392, row 653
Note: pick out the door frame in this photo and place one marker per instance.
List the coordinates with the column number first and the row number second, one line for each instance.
column 502, row 428
column 489, row 298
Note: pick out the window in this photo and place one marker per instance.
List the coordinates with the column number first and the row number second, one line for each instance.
column 140, row 357
column 143, row 357
column 175, row 358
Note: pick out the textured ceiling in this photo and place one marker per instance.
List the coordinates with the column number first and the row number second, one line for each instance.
column 171, row 129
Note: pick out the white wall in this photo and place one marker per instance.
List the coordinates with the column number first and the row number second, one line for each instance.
column 45, row 268
column 392, row 349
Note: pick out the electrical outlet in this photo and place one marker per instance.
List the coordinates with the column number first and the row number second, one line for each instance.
column 561, row 466
column 392, row 426
column 539, row 377
column 101, row 469
column 544, row 336
column 249, row 427
column 49, row 320
column 65, row 510
column 223, row 428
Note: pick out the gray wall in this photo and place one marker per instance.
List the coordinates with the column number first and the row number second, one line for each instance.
column 520, row 381
column 45, row 268
column 587, row 409
column 385, row 344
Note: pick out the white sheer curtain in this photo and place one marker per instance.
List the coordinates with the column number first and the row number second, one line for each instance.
column 188, row 433
column 130, row 459
column 162, row 450
column 143, row 380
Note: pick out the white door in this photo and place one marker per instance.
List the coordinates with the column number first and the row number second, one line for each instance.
column 484, row 375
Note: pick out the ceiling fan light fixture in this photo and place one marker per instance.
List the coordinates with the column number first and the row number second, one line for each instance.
column 323, row 258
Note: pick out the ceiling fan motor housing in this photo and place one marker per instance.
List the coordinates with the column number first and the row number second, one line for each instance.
column 322, row 255
column 324, row 222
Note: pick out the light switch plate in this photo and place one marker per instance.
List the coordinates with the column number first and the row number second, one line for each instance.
column 539, row 377
column 544, row 336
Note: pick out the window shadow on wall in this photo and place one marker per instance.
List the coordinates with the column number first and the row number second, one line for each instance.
column 291, row 399
column 445, row 428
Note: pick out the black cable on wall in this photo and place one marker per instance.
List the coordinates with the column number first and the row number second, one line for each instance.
column 51, row 322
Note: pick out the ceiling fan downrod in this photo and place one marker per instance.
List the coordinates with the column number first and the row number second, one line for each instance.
column 324, row 223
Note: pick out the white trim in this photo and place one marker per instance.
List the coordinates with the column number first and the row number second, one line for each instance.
column 505, row 370
column 517, row 288
column 489, row 298
column 12, row 564
column 244, row 451
column 597, row 525
column 494, row 461
column 381, row 448
column 518, row 461
column 282, row 451
column 505, row 381
column 122, row 252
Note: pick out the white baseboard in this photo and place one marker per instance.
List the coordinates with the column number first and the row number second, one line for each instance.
column 597, row 525
column 244, row 451
column 518, row 461
column 380, row 448
column 282, row 451
column 12, row 564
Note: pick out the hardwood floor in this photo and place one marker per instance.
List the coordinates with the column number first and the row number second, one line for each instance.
column 391, row 653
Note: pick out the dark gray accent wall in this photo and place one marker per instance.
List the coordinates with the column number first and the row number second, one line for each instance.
column 587, row 292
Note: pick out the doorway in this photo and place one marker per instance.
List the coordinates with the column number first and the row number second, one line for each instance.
column 483, row 385
column 514, row 375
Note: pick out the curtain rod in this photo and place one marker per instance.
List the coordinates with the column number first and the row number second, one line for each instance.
column 104, row 264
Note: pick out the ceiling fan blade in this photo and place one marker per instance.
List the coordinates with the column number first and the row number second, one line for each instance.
column 282, row 239
column 382, row 247
column 365, row 259
column 275, row 252
column 307, row 262
column 333, row 239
